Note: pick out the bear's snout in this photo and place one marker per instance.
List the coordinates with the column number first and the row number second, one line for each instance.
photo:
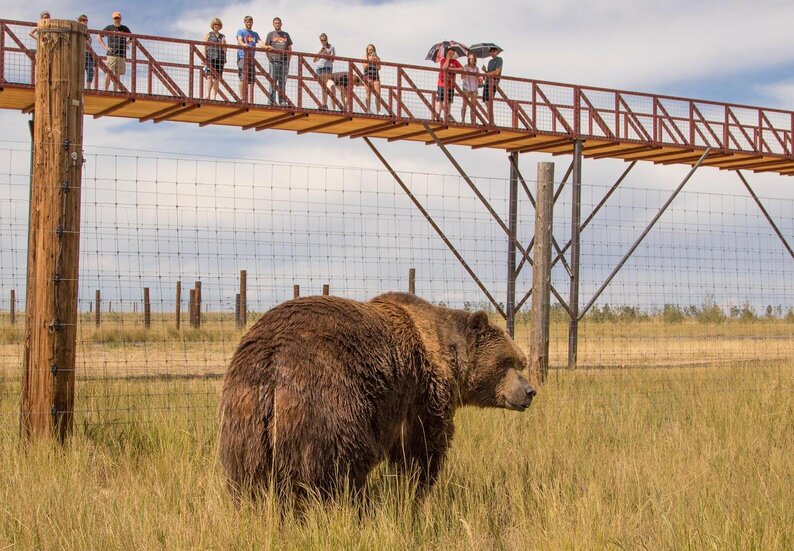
column 517, row 391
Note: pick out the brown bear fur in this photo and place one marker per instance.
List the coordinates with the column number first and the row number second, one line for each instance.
column 321, row 389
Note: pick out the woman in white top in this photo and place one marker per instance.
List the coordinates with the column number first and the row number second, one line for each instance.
column 325, row 67
column 471, row 81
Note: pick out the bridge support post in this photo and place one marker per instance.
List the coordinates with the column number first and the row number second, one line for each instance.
column 512, row 224
column 576, row 215
column 54, row 233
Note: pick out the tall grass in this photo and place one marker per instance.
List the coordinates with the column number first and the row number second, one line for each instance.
column 660, row 459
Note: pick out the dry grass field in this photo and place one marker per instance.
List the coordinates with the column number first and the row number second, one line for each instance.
column 697, row 457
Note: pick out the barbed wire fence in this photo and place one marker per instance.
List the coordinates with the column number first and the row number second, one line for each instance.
column 711, row 285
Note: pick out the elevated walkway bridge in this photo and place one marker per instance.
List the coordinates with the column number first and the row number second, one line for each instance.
column 165, row 81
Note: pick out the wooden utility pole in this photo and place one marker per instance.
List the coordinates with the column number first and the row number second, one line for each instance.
column 178, row 307
column 192, row 307
column 412, row 281
column 54, row 233
column 13, row 308
column 147, row 309
column 243, row 318
column 541, row 274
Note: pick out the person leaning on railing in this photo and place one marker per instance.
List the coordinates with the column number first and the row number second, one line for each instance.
column 216, row 57
column 491, row 72
column 116, row 48
column 325, row 68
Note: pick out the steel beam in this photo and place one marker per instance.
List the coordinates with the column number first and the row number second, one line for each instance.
column 644, row 233
column 435, row 226
column 512, row 223
column 765, row 213
column 576, row 213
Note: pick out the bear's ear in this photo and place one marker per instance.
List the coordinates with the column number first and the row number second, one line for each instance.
column 478, row 323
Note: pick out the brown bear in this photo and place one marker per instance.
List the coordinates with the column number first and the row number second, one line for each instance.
column 321, row 389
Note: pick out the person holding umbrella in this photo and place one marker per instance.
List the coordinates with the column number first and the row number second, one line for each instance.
column 491, row 72
column 446, row 83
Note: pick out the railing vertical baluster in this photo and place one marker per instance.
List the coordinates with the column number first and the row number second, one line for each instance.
column 399, row 92
column 577, row 111
column 301, row 60
column 692, row 124
column 192, row 74
column 134, row 68
column 350, row 87
column 2, row 52
column 535, row 105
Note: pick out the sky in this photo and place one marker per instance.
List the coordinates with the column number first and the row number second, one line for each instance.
column 727, row 50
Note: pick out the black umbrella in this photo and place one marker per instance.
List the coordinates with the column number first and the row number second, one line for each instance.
column 483, row 49
column 442, row 47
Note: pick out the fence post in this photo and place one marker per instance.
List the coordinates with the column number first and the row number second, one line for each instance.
column 237, row 310
column 178, row 305
column 147, row 309
column 192, row 308
column 98, row 304
column 326, row 289
column 13, row 308
column 47, row 403
column 296, row 291
column 541, row 275
column 243, row 318
column 198, row 304
column 412, row 281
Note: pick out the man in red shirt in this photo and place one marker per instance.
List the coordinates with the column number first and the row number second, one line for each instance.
column 446, row 86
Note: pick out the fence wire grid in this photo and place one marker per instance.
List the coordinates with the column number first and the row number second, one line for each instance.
column 711, row 285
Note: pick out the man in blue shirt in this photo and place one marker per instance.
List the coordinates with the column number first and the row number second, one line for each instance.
column 249, row 40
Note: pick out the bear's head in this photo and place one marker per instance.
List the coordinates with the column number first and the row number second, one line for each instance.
column 496, row 365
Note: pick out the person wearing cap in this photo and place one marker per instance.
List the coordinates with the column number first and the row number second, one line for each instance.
column 491, row 74
column 42, row 15
column 116, row 48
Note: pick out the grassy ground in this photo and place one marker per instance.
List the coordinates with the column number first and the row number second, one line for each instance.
column 651, row 458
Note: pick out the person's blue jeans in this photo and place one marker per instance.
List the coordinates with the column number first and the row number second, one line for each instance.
column 278, row 72
column 89, row 68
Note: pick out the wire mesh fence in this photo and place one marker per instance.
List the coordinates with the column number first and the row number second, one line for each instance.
column 179, row 254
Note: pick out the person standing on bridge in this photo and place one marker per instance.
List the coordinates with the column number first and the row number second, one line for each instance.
column 491, row 73
column 216, row 57
column 372, row 77
column 325, row 68
column 249, row 40
column 89, row 54
column 445, row 94
column 278, row 43
column 116, row 49
column 42, row 15
column 470, row 84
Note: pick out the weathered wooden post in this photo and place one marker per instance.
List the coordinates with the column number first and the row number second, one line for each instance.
column 198, row 304
column 237, row 310
column 296, row 291
column 98, row 304
column 13, row 308
column 326, row 289
column 541, row 274
column 192, row 307
column 54, row 233
column 178, row 305
column 147, row 309
column 412, row 281
column 243, row 319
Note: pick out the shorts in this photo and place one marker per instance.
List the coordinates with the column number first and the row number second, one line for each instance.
column 241, row 69
column 217, row 65
column 372, row 73
column 487, row 95
column 117, row 65
column 324, row 71
column 450, row 94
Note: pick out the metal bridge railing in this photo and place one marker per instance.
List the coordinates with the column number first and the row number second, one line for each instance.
column 168, row 68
